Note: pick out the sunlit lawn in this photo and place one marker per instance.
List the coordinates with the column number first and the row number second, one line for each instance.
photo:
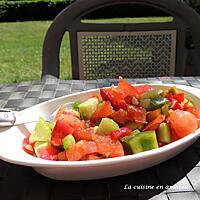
column 21, row 49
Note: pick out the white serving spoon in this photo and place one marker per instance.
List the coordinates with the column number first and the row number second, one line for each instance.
column 9, row 118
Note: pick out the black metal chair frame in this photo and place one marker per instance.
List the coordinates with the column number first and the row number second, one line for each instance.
column 185, row 18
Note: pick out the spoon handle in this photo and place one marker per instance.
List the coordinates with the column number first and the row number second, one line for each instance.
column 7, row 117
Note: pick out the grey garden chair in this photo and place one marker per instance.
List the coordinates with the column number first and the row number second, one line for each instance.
column 130, row 50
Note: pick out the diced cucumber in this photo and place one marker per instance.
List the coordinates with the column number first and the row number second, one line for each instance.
column 190, row 104
column 143, row 141
column 151, row 94
column 163, row 133
column 158, row 102
column 127, row 138
column 107, row 125
column 87, row 108
column 99, row 104
column 38, row 146
column 152, row 104
column 145, row 103
column 42, row 132
column 52, row 124
column 29, row 148
column 133, row 125
column 68, row 141
column 96, row 129
column 76, row 104
column 165, row 109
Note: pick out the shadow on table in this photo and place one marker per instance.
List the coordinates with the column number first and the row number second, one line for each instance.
column 152, row 181
column 17, row 182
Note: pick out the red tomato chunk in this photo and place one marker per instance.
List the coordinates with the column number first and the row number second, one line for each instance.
column 182, row 122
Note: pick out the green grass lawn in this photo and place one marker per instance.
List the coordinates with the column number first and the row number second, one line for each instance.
column 131, row 20
column 21, row 48
column 21, row 51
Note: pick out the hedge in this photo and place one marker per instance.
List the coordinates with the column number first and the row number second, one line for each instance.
column 30, row 10
column 194, row 4
column 47, row 9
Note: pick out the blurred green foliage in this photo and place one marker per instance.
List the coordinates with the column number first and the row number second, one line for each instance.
column 31, row 10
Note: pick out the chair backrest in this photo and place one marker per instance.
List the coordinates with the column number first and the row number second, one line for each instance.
column 126, row 49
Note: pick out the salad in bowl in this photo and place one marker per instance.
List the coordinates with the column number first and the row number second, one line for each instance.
column 114, row 122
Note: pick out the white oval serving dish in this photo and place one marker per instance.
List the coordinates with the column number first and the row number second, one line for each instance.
column 11, row 145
